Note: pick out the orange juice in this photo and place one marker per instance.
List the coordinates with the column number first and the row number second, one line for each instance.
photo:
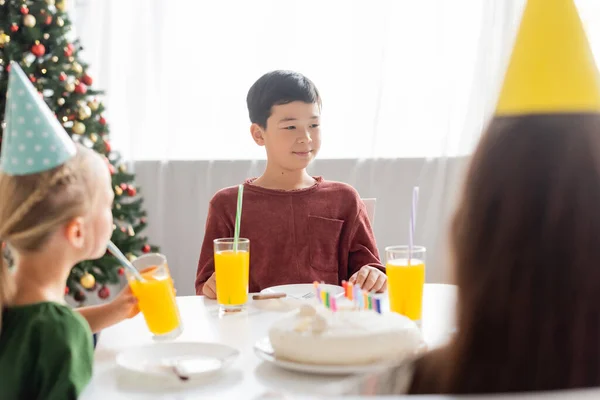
column 405, row 286
column 231, row 271
column 156, row 300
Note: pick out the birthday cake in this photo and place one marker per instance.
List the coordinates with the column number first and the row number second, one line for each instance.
column 344, row 335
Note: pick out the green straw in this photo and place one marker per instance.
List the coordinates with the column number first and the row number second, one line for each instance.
column 238, row 218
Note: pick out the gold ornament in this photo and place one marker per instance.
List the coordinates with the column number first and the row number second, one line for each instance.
column 69, row 87
column 131, row 231
column 93, row 105
column 77, row 68
column 84, row 112
column 60, row 22
column 61, row 5
column 87, row 281
column 122, row 168
column 60, row 101
column 54, row 59
column 4, row 39
column 78, row 128
column 118, row 191
column 46, row 36
column 50, row 2
column 118, row 206
column 1, row 2
column 131, row 257
column 93, row 137
column 114, row 227
column 29, row 21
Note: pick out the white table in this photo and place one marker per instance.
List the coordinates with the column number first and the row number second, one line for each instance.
column 249, row 377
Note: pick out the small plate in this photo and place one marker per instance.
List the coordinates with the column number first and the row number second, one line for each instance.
column 264, row 351
column 304, row 291
column 184, row 360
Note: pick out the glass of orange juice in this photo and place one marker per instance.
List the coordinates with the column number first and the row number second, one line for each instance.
column 406, row 278
column 156, row 296
column 231, row 273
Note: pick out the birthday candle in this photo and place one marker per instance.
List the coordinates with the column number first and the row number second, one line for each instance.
column 323, row 294
column 378, row 305
column 366, row 300
column 327, row 303
column 333, row 304
column 370, row 297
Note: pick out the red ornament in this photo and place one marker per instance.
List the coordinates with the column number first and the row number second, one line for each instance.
column 87, row 79
column 38, row 49
column 102, row 121
column 121, row 271
column 103, row 293
column 81, row 88
column 79, row 296
column 112, row 169
column 131, row 191
column 66, row 290
column 62, row 77
column 143, row 220
column 69, row 50
column 8, row 68
column 14, row 28
column 107, row 146
column 48, row 20
column 71, row 117
column 123, row 186
column 146, row 248
column 32, row 79
column 123, row 229
column 24, row 9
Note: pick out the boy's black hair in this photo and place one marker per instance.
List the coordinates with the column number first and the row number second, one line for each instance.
column 278, row 87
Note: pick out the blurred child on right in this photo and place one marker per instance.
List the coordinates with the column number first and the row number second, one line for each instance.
column 526, row 235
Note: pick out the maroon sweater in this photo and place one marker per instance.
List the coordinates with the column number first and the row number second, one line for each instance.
column 321, row 233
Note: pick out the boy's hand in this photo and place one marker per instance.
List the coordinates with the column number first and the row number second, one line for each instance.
column 370, row 278
column 210, row 287
column 125, row 305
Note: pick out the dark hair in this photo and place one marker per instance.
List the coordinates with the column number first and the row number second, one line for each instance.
column 526, row 249
column 279, row 87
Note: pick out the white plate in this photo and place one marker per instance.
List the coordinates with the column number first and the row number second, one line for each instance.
column 304, row 290
column 192, row 359
column 265, row 352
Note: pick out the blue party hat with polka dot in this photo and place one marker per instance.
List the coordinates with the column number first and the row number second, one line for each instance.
column 33, row 139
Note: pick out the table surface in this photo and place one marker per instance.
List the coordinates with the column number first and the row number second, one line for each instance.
column 249, row 377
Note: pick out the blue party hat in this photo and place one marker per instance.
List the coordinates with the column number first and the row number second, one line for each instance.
column 33, row 139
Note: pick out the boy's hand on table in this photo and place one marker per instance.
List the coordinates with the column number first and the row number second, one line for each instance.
column 210, row 287
column 370, row 279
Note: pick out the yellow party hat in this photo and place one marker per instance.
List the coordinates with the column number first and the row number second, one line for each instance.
column 552, row 69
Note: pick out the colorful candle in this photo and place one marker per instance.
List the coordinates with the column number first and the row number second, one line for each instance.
column 327, row 304
column 333, row 304
column 366, row 300
column 378, row 305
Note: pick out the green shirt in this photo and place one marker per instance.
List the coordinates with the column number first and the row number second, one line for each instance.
column 46, row 352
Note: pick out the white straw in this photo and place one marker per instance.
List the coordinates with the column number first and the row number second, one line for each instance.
column 413, row 221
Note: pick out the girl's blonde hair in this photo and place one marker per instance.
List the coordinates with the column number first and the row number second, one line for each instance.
column 33, row 206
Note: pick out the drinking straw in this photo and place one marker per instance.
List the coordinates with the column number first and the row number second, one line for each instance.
column 413, row 220
column 117, row 253
column 238, row 218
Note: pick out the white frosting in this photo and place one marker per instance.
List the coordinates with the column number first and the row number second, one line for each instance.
column 346, row 337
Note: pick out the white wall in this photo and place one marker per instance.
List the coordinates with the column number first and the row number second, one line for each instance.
column 177, row 193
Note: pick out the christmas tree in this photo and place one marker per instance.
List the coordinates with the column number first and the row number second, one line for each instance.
column 36, row 34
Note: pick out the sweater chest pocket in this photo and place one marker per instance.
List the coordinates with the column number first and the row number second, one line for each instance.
column 323, row 242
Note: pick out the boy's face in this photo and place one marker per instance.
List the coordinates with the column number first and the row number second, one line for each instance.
column 292, row 136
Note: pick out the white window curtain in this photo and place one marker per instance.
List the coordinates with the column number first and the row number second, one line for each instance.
column 398, row 78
